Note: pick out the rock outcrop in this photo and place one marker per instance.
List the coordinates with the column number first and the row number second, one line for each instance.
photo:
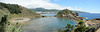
column 93, row 22
column 69, row 14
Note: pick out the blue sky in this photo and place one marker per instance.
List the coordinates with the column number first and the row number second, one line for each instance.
column 85, row 5
column 80, row 5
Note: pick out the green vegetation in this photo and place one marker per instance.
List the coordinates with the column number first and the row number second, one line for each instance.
column 65, row 12
column 2, row 23
column 69, row 28
column 16, row 11
column 6, row 26
column 13, row 8
column 60, row 30
column 44, row 10
column 81, row 27
column 11, row 11
column 13, row 28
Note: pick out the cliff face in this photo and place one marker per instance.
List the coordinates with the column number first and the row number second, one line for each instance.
column 69, row 14
column 14, row 10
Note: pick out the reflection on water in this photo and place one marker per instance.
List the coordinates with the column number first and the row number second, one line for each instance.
column 47, row 24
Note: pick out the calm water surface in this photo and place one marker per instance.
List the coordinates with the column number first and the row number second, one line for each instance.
column 90, row 15
column 47, row 24
column 52, row 24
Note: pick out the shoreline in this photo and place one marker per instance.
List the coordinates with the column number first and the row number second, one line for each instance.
column 21, row 20
column 71, row 19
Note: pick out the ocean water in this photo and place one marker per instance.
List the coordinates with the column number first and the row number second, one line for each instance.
column 47, row 24
column 53, row 24
column 90, row 16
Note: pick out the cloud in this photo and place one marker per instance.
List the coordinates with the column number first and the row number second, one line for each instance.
column 38, row 3
column 35, row 4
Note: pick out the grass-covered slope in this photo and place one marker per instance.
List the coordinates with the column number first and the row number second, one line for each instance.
column 63, row 12
column 11, row 11
column 14, row 10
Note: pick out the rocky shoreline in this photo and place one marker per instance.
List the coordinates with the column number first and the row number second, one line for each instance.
column 74, row 16
column 93, row 22
column 70, row 15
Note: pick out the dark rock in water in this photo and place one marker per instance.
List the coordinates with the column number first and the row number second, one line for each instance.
column 44, row 16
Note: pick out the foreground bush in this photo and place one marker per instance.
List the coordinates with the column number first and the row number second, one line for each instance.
column 6, row 26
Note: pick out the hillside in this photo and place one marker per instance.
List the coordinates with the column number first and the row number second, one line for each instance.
column 10, row 12
column 69, row 14
column 44, row 10
column 16, row 11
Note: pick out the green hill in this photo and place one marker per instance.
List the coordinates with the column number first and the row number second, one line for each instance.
column 44, row 10
column 14, row 11
column 69, row 14
column 11, row 11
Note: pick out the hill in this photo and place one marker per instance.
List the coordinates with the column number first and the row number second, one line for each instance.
column 16, row 11
column 44, row 10
column 52, row 10
column 13, row 11
column 69, row 14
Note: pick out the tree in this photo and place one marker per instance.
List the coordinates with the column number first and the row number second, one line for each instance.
column 69, row 28
column 60, row 30
column 13, row 8
column 3, row 20
column 81, row 23
column 81, row 27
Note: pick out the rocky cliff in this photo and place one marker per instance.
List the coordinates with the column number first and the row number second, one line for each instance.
column 69, row 14
column 93, row 22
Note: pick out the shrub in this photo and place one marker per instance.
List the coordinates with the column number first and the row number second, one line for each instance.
column 69, row 28
column 13, row 8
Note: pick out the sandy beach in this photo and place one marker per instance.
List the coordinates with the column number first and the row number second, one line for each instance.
column 20, row 19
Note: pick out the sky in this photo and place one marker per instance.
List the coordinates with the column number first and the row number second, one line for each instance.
column 92, row 6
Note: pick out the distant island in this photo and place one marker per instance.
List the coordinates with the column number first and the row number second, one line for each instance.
column 69, row 14
column 43, row 10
